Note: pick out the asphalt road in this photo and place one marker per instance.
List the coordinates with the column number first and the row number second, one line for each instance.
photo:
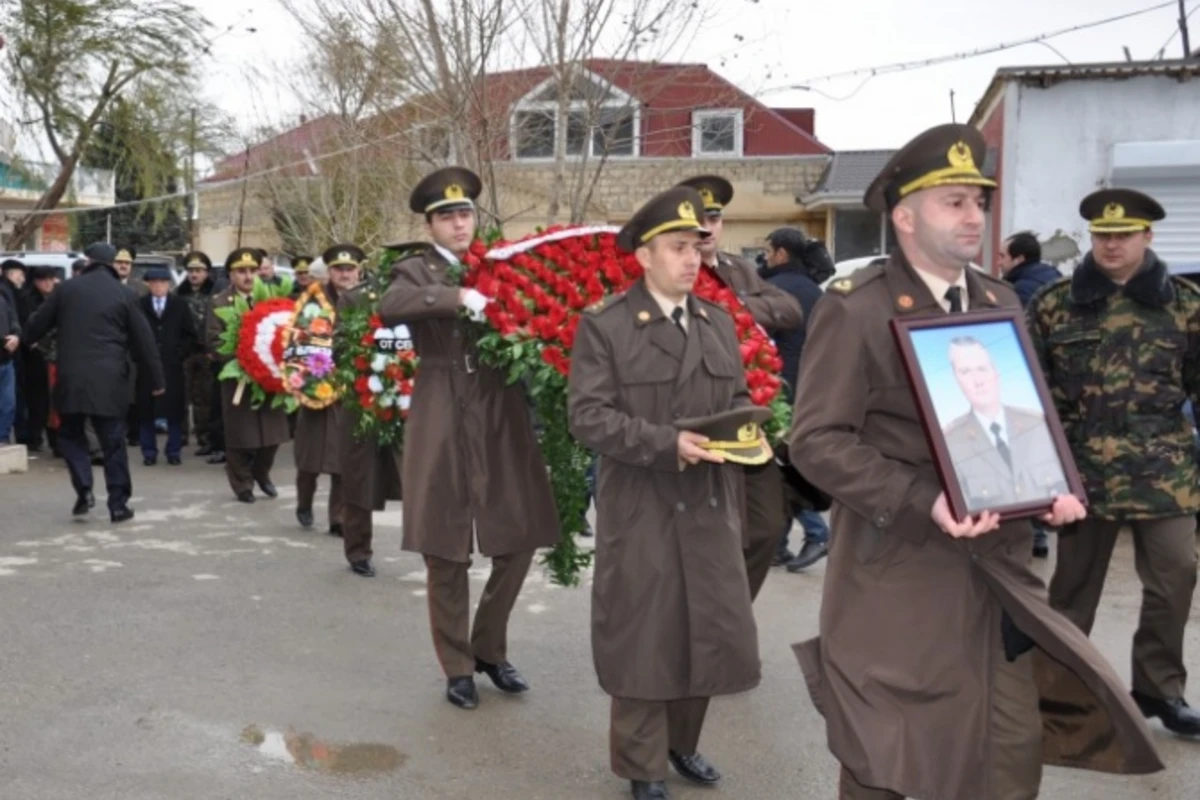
column 210, row 650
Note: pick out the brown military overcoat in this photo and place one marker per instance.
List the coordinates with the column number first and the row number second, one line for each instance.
column 318, row 431
column 470, row 455
column 370, row 472
column 771, row 307
column 671, row 614
column 902, row 668
column 245, row 428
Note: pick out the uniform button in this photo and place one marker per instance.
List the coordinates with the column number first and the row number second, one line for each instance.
column 680, row 507
column 712, row 501
column 429, row 300
column 881, row 520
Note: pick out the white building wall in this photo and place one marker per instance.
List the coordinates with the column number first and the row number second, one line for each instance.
column 1058, row 143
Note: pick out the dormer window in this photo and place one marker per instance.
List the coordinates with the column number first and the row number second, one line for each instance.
column 599, row 117
column 717, row 133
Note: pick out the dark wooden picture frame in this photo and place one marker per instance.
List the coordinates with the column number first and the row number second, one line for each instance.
column 1022, row 502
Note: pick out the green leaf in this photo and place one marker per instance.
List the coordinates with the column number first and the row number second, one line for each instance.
column 231, row 371
column 261, row 291
column 226, row 314
column 286, row 286
column 240, row 304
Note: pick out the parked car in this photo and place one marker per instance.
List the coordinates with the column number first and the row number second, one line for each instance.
column 146, row 262
column 60, row 262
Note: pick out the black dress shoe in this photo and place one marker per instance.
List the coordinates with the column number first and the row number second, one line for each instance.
column 461, row 692
column 268, row 488
column 648, row 790
column 809, row 554
column 305, row 517
column 122, row 514
column 149, row 462
column 781, row 558
column 504, row 675
column 1176, row 715
column 204, row 450
column 694, row 767
column 83, row 504
column 363, row 568
column 174, row 461
column 335, row 530
column 246, row 496
column 218, row 457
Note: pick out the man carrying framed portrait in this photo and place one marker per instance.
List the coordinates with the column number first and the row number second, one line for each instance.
column 1120, row 345
column 940, row 668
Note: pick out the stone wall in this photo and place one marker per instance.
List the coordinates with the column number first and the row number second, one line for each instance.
column 764, row 199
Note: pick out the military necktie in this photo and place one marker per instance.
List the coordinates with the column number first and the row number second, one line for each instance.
column 677, row 315
column 1001, row 447
column 954, row 295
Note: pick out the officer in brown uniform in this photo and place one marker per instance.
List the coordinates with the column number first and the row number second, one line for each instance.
column 318, row 431
column 767, row 513
column 471, row 462
column 672, row 623
column 937, row 643
column 370, row 471
column 252, row 438
column 302, row 269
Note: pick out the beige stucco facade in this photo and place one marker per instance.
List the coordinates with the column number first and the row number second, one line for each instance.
column 765, row 191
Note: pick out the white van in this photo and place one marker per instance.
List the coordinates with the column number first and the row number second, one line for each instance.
column 60, row 262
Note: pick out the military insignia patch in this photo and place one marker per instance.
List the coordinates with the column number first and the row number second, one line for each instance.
column 842, row 286
column 643, row 316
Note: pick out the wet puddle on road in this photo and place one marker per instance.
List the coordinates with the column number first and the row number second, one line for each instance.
column 309, row 752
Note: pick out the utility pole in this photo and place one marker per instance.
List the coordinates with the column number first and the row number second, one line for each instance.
column 191, row 183
column 242, row 205
column 1183, row 30
column 953, row 117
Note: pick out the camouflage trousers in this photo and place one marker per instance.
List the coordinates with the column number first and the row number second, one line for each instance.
column 198, row 380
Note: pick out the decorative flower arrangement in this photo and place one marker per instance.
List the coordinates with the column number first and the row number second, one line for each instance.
column 308, row 363
column 376, row 365
column 254, row 339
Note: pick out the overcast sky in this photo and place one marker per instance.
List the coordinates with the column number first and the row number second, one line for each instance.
column 762, row 45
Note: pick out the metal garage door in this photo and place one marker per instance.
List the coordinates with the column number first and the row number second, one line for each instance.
column 1170, row 173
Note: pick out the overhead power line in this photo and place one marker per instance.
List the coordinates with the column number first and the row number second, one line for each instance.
column 905, row 66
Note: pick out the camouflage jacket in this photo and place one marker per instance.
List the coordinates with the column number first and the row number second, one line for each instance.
column 1121, row 361
column 198, row 302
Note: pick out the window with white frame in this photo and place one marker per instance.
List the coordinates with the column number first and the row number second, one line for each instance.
column 717, row 132
column 599, row 117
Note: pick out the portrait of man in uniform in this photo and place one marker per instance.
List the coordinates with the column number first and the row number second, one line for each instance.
column 990, row 414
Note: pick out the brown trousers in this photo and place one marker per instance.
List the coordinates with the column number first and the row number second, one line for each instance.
column 1015, row 737
column 306, row 489
column 641, row 732
column 449, row 610
column 244, row 467
column 1165, row 559
column 198, row 379
column 766, row 517
column 357, row 532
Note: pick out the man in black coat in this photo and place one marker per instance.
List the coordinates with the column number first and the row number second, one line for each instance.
column 12, row 278
column 42, row 282
column 1020, row 262
column 175, row 333
column 197, row 292
column 789, row 252
column 98, row 324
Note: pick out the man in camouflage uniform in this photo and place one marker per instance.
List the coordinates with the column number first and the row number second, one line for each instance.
column 197, row 292
column 1119, row 342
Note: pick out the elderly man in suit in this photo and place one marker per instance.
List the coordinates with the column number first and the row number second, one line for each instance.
column 98, row 324
column 1002, row 455
column 175, row 333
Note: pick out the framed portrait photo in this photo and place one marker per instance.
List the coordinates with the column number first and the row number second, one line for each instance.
column 987, row 413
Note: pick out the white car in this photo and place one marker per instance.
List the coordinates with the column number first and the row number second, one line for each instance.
column 844, row 269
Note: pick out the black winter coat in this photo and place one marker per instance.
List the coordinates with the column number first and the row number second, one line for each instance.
column 792, row 277
column 176, row 337
column 99, row 325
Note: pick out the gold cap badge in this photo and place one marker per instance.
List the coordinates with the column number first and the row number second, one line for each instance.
column 345, row 257
column 454, row 192
column 123, row 255
column 707, row 196
column 748, row 433
column 959, row 156
column 686, row 211
column 1114, row 211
